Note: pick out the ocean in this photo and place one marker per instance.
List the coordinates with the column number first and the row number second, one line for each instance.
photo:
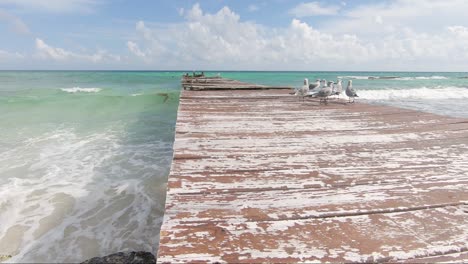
column 85, row 155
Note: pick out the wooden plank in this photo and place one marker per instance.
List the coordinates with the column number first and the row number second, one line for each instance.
column 260, row 176
column 362, row 238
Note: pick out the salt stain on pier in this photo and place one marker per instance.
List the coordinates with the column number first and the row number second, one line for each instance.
column 259, row 176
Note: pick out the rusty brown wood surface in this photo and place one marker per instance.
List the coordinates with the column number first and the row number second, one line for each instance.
column 260, row 176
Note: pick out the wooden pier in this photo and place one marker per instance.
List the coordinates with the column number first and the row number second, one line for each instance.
column 260, row 176
column 219, row 83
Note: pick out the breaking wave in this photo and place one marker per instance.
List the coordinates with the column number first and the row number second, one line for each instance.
column 81, row 90
column 394, row 78
column 423, row 93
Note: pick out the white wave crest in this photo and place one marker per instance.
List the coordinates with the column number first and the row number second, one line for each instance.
column 394, row 78
column 423, row 93
column 355, row 77
column 432, row 78
column 422, row 78
column 81, row 90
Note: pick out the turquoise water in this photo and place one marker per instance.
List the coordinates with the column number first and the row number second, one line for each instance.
column 84, row 156
column 436, row 92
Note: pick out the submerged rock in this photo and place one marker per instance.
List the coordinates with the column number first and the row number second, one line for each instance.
column 124, row 257
column 4, row 257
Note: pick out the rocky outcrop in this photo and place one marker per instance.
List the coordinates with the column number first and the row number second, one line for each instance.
column 132, row 257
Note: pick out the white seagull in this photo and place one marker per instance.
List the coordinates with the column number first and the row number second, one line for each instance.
column 315, row 85
column 350, row 92
column 304, row 90
column 338, row 88
column 325, row 92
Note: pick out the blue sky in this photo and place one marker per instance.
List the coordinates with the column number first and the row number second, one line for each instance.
column 413, row 35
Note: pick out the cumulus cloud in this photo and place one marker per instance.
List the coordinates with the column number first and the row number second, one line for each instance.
column 223, row 40
column 396, row 35
column 133, row 47
column 313, row 9
column 56, row 6
column 14, row 22
column 392, row 17
column 45, row 51
column 153, row 48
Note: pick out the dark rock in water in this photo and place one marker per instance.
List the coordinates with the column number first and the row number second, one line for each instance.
column 124, row 257
column 4, row 257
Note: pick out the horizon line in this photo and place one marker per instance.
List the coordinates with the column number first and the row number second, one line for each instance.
column 190, row 71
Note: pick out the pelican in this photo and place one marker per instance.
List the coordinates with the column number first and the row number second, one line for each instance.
column 350, row 92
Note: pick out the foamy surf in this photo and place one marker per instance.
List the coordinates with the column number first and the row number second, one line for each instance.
column 398, row 78
column 93, row 193
column 81, row 90
column 423, row 93
column 355, row 77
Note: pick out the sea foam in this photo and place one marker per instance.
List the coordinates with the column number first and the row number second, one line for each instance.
column 82, row 90
column 422, row 93
column 399, row 78
column 93, row 193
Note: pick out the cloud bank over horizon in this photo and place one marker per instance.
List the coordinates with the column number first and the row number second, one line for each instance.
column 398, row 35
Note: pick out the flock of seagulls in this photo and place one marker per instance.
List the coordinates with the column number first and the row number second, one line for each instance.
column 323, row 90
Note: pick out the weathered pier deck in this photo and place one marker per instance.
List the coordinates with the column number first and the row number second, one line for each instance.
column 259, row 176
column 219, row 83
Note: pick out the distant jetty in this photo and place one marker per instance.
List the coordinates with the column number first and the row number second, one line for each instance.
column 260, row 176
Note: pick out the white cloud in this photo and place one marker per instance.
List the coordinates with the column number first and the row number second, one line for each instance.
column 181, row 11
column 133, row 47
column 459, row 31
column 5, row 55
column 152, row 48
column 222, row 40
column 56, row 6
column 380, row 19
column 45, row 51
column 14, row 22
column 313, row 9
column 388, row 36
column 252, row 8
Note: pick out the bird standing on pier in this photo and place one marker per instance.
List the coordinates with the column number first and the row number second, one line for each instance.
column 350, row 92
column 323, row 83
column 304, row 90
column 338, row 88
column 315, row 85
column 325, row 92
